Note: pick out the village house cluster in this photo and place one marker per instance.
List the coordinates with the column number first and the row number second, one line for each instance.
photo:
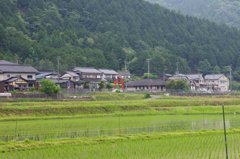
column 197, row 82
column 14, row 76
column 207, row 83
column 20, row 77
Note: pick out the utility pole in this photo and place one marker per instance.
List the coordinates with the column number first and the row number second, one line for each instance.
column 58, row 66
column 230, row 78
column 125, row 63
column 225, row 132
column 16, row 58
column 148, row 61
column 177, row 71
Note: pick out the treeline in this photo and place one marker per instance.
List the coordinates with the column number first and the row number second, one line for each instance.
column 106, row 33
column 220, row 11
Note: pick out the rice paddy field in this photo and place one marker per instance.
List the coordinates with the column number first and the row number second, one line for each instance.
column 120, row 126
column 200, row 146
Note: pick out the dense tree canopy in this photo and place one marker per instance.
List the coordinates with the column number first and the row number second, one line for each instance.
column 106, row 33
column 220, row 11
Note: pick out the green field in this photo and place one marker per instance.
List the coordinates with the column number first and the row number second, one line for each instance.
column 203, row 145
column 107, row 125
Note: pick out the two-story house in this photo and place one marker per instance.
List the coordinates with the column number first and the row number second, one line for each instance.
column 88, row 73
column 196, row 82
column 108, row 74
column 14, row 76
column 217, row 83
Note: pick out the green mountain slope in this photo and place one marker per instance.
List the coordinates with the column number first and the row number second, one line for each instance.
column 105, row 33
column 220, row 11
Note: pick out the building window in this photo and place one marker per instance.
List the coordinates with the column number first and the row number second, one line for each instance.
column 30, row 85
column 223, row 82
column 29, row 76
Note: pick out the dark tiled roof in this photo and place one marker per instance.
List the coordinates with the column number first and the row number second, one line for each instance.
column 73, row 74
column 108, row 71
column 179, row 77
column 214, row 76
column 3, row 62
column 12, row 79
column 194, row 76
column 146, row 82
column 124, row 73
column 17, row 69
column 86, row 70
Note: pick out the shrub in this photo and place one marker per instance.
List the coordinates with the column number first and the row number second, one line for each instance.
column 109, row 86
column 101, row 85
column 49, row 87
column 147, row 95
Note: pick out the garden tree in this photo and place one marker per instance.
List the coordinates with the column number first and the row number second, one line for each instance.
column 177, row 85
column 48, row 87
column 204, row 67
column 109, row 85
column 101, row 85
column 103, row 33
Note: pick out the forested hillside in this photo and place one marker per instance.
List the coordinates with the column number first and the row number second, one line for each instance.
column 105, row 33
column 220, row 11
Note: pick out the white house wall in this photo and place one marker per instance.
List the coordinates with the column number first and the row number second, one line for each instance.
column 223, row 84
column 23, row 75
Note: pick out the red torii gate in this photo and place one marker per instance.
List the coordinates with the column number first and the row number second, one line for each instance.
column 120, row 82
